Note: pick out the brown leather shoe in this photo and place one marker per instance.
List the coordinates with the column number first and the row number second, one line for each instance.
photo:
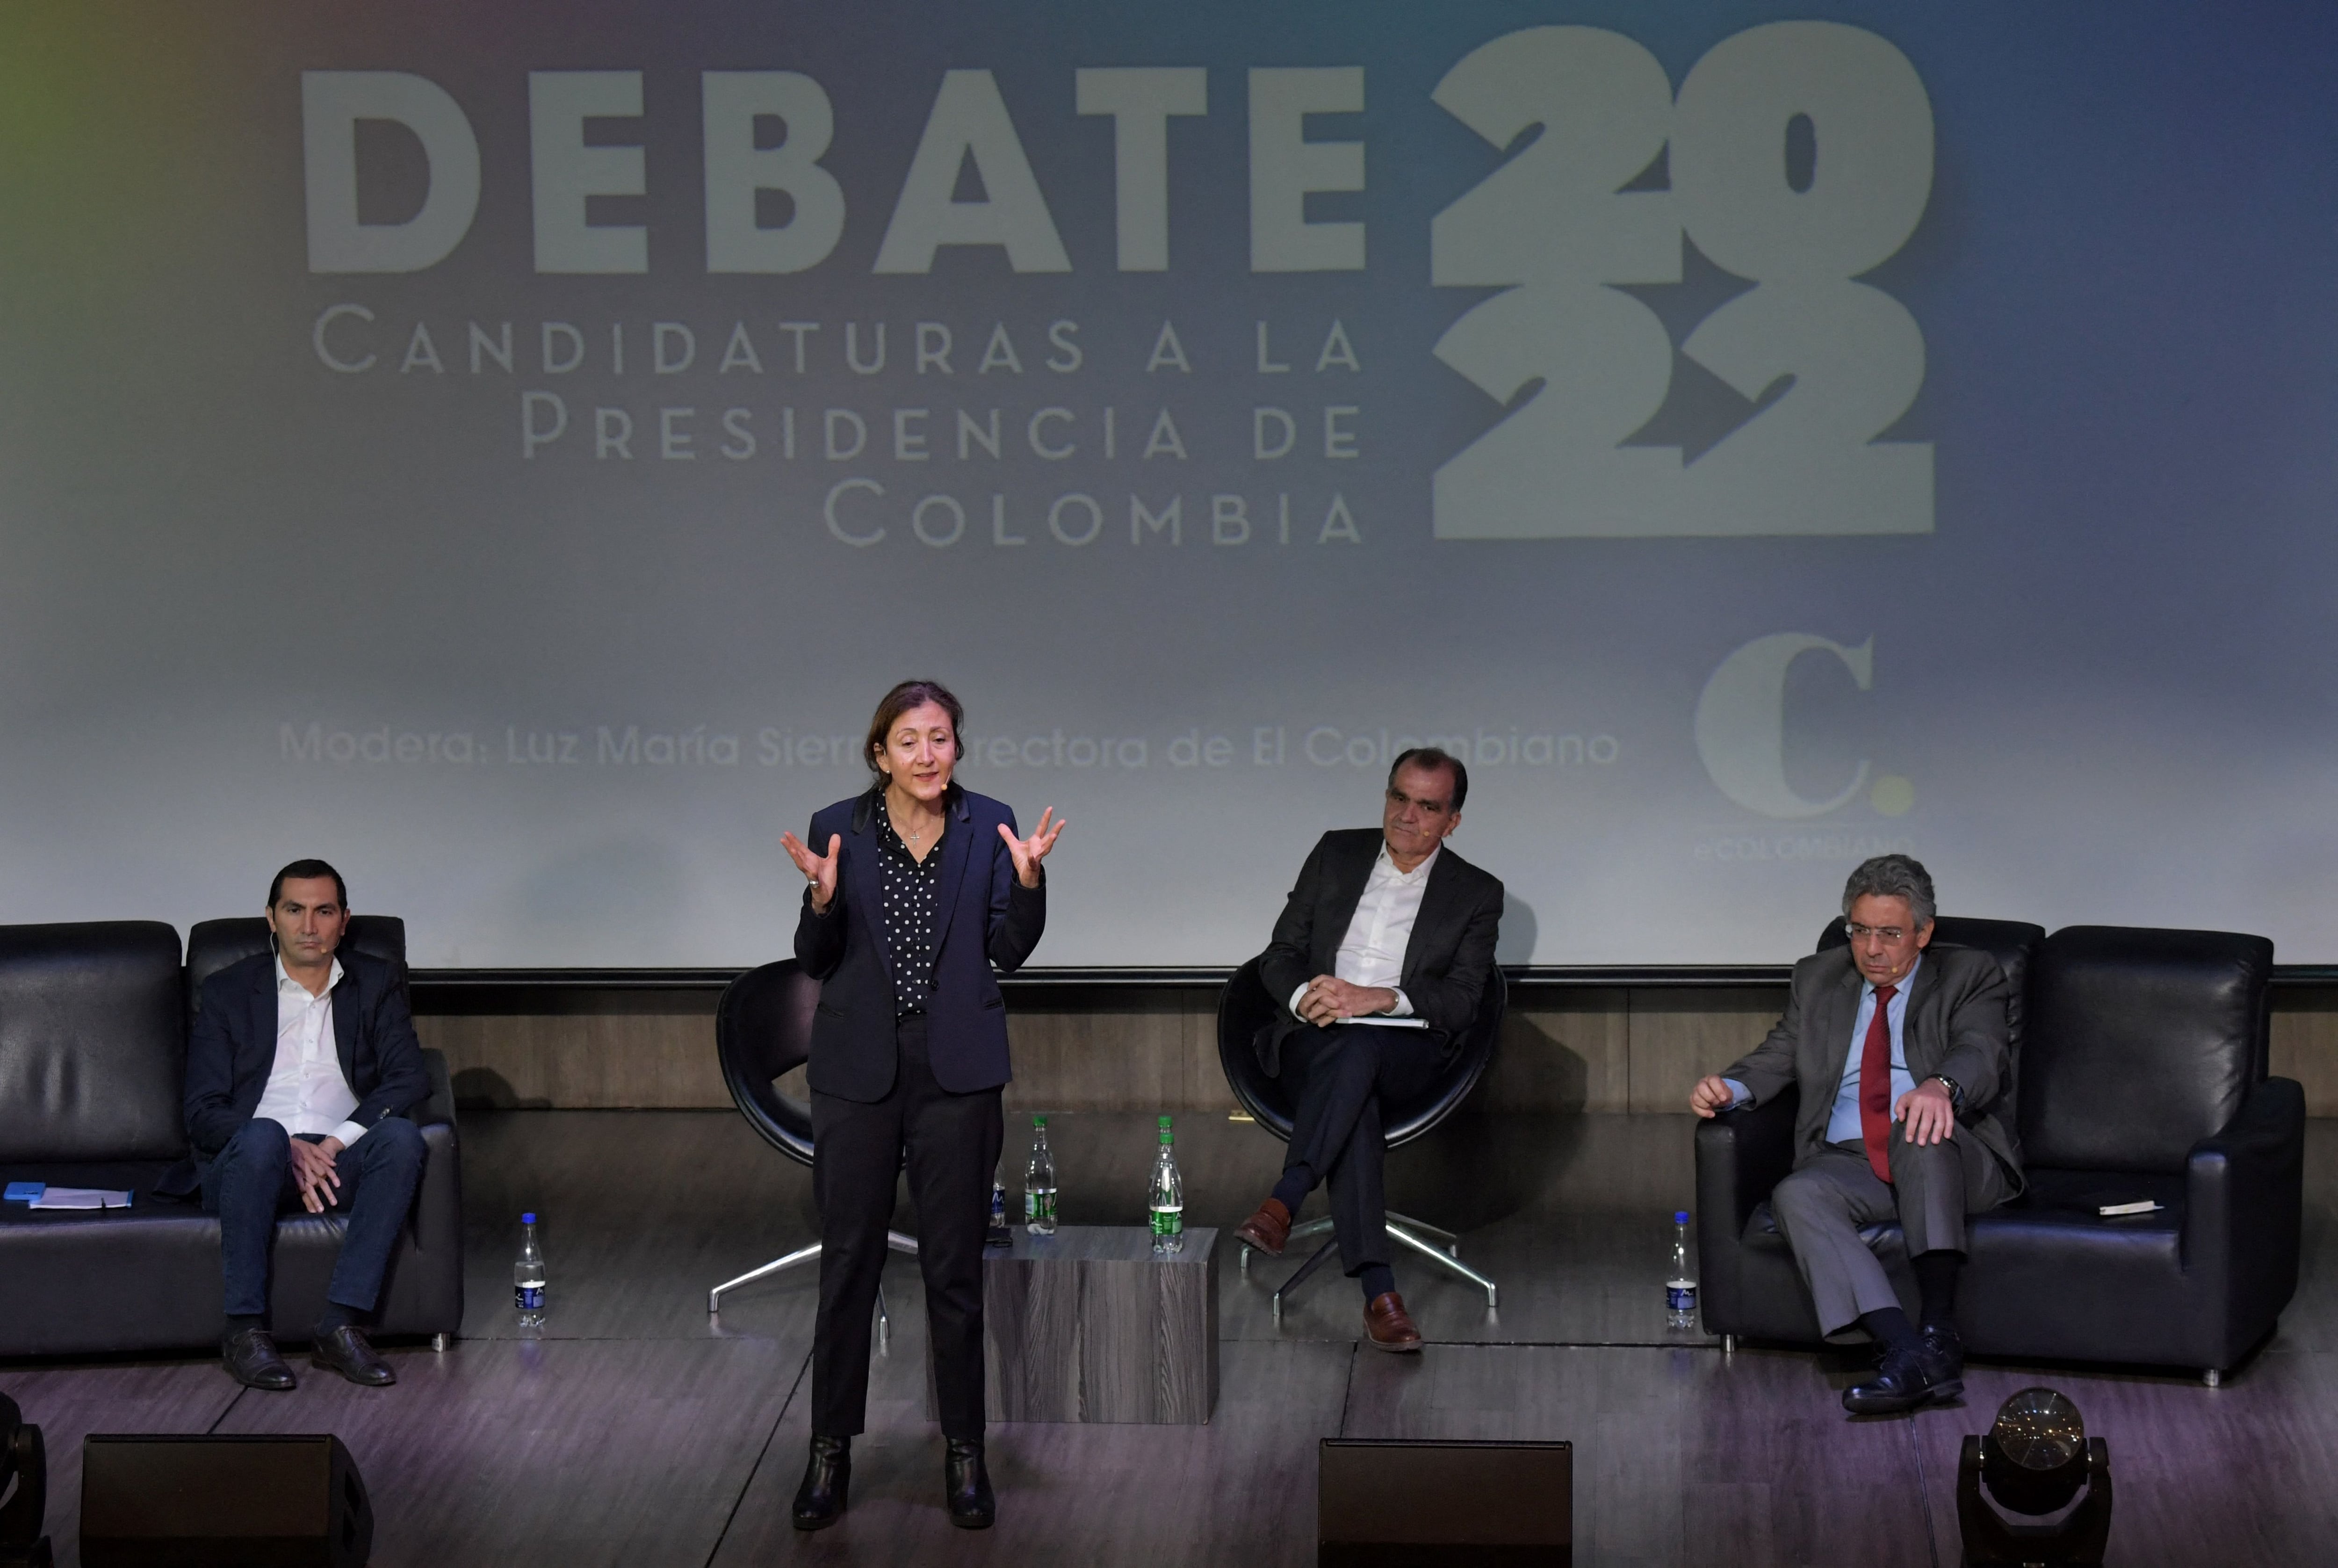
column 1267, row 1230
column 1388, row 1324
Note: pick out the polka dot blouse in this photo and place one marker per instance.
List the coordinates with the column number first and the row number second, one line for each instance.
column 909, row 908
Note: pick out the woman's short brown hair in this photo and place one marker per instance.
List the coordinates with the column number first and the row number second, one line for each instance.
column 900, row 700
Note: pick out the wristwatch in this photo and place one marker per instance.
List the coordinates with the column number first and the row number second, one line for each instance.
column 1956, row 1091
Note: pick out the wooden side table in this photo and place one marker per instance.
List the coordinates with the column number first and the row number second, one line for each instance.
column 1089, row 1324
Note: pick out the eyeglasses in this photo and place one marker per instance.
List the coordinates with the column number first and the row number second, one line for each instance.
column 1858, row 933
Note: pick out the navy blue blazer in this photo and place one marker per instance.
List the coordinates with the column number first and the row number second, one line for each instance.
column 1446, row 963
column 987, row 923
column 231, row 1049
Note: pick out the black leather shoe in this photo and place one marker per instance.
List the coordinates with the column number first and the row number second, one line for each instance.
column 1909, row 1377
column 251, row 1360
column 827, row 1477
column 965, row 1486
column 345, row 1351
column 1947, row 1350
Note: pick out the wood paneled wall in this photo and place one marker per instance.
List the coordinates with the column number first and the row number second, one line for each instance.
column 1622, row 1048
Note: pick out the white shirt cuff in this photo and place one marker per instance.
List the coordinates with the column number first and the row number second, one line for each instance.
column 348, row 1132
column 1294, row 1003
column 1403, row 1008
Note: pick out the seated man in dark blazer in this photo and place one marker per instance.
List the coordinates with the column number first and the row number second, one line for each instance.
column 300, row 1068
column 1377, row 963
column 1878, row 1036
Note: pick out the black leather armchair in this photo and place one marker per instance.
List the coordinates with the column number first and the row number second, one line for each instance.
column 92, row 1048
column 2141, row 1073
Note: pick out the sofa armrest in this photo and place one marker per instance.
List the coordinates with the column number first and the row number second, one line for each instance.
column 439, row 1108
column 2243, row 1208
column 1741, row 1155
column 437, row 1304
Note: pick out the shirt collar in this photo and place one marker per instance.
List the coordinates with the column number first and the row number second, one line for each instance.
column 1907, row 980
column 1418, row 874
column 284, row 981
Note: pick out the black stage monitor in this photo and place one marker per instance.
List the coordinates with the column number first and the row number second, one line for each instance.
column 229, row 1501
column 1386, row 1503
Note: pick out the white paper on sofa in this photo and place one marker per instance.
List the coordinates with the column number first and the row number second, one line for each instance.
column 80, row 1198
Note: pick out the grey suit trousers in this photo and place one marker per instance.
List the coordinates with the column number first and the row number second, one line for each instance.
column 1820, row 1207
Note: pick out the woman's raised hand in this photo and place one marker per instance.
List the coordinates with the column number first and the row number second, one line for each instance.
column 1029, row 852
column 820, row 870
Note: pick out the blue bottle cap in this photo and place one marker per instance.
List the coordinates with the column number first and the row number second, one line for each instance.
column 1680, row 1217
column 528, row 1219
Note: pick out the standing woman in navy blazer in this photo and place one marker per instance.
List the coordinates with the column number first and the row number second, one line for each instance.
column 920, row 896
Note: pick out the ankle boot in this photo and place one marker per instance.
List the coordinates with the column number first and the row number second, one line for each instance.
column 965, row 1486
column 828, row 1477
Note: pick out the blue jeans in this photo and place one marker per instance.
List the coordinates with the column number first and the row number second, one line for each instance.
column 250, row 1183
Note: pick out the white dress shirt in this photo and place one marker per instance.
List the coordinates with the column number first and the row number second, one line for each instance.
column 1372, row 952
column 306, row 1091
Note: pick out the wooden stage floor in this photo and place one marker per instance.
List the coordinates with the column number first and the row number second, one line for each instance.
column 641, row 1432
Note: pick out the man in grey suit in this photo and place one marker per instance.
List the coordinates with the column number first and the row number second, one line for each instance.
column 1880, row 1036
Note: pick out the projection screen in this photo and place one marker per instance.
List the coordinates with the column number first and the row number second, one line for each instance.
column 508, row 450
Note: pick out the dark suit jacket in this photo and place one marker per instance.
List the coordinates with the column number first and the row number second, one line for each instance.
column 1955, row 1025
column 987, row 923
column 1446, row 961
column 232, row 1047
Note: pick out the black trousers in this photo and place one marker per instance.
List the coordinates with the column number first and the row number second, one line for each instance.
column 952, row 1141
column 1337, row 1078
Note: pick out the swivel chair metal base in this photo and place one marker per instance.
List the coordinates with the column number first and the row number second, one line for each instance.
column 1441, row 1248
column 893, row 1240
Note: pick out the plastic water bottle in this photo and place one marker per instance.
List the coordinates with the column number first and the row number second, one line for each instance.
column 527, row 1277
column 998, row 1235
column 1680, row 1279
column 1039, row 1183
column 1168, row 1198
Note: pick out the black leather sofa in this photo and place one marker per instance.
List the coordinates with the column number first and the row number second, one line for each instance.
column 93, row 1044
column 2140, row 1073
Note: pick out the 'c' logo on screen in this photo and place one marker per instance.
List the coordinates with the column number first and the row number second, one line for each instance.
column 1797, row 156
column 1741, row 724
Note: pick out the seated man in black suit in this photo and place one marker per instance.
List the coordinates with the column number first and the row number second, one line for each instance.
column 1378, row 964
column 1900, row 1051
column 300, row 1068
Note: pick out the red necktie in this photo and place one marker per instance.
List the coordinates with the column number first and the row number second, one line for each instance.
column 1875, row 1084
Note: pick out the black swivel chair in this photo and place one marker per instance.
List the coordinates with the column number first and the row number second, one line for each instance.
column 1244, row 1009
column 763, row 1031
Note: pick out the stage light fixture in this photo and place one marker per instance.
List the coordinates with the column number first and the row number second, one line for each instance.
column 24, row 1484
column 2036, row 1462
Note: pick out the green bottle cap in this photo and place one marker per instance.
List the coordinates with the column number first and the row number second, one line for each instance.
column 1165, row 1121
column 1040, row 1121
